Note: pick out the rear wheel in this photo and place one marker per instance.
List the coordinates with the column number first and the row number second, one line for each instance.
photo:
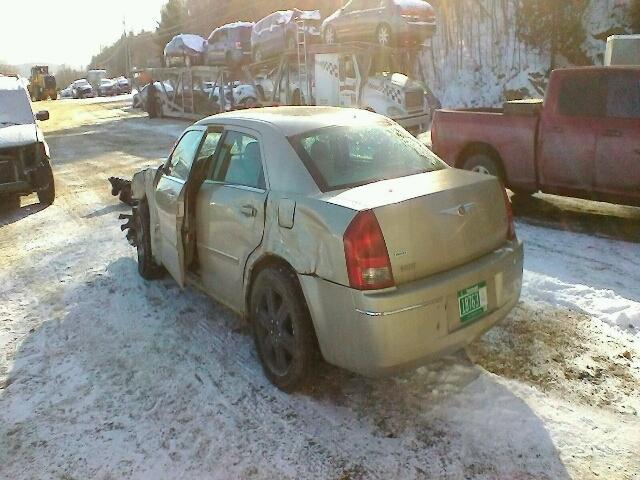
column 383, row 35
column 147, row 266
column 45, row 183
column 282, row 328
column 483, row 163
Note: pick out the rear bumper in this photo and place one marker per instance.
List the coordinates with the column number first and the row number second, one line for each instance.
column 383, row 333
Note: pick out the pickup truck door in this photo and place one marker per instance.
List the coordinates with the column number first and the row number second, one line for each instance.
column 568, row 135
column 170, row 201
column 617, row 167
column 231, row 214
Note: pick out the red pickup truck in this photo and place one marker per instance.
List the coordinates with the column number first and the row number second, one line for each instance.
column 582, row 141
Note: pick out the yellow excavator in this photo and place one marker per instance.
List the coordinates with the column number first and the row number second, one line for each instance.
column 42, row 85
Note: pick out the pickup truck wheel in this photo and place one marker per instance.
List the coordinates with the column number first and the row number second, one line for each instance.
column 45, row 183
column 282, row 329
column 147, row 266
column 483, row 163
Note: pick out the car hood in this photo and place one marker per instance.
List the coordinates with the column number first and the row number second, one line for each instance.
column 18, row 135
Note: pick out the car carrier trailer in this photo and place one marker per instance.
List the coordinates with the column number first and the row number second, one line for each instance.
column 356, row 75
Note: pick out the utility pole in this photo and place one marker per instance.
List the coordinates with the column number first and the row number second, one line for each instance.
column 127, row 58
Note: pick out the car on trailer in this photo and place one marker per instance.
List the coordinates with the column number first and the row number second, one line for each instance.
column 385, row 22
column 229, row 44
column 25, row 166
column 278, row 32
column 331, row 230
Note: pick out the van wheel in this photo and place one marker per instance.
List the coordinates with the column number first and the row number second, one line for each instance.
column 384, row 36
column 483, row 163
column 46, row 185
column 330, row 36
column 282, row 329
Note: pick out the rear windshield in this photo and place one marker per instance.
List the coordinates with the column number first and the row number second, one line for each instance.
column 344, row 157
column 241, row 34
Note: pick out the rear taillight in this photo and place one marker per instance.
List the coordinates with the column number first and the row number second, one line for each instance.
column 365, row 251
column 511, row 232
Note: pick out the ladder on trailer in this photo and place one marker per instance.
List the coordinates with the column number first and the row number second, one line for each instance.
column 304, row 79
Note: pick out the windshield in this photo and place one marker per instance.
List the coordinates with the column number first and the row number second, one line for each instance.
column 343, row 157
column 15, row 108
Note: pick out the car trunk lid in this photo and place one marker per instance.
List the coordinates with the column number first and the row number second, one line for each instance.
column 433, row 221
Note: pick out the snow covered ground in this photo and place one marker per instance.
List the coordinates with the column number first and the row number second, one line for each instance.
column 104, row 375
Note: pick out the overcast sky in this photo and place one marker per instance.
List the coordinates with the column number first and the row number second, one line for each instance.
column 68, row 31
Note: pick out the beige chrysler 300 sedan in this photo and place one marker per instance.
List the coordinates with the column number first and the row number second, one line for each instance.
column 331, row 230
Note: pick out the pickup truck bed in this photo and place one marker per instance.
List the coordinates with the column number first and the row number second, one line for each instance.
column 582, row 141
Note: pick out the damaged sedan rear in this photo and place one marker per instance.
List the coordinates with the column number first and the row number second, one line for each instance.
column 333, row 231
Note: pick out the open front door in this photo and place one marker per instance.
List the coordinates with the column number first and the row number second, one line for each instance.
column 170, row 199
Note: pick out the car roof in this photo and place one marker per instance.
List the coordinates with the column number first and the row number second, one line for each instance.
column 293, row 120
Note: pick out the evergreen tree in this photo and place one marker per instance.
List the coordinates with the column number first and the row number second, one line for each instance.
column 555, row 26
column 173, row 21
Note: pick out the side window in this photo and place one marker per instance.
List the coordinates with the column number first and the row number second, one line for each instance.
column 209, row 145
column 239, row 161
column 623, row 96
column 580, row 96
column 184, row 153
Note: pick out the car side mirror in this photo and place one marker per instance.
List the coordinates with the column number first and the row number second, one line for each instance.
column 42, row 115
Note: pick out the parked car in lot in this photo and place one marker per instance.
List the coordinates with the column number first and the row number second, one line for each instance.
column 82, row 89
column 24, row 154
column 386, row 22
column 277, row 32
column 582, row 141
column 123, row 84
column 229, row 44
column 330, row 228
column 107, row 88
column 67, row 92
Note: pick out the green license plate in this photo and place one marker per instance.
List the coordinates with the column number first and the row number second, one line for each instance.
column 472, row 302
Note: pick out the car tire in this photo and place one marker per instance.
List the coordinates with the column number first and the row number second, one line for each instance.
column 45, row 183
column 483, row 163
column 9, row 203
column 384, row 36
column 330, row 36
column 147, row 266
column 282, row 328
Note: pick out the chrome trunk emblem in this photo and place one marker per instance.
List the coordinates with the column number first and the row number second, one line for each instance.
column 459, row 210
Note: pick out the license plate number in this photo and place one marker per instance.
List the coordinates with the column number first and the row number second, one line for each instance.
column 472, row 302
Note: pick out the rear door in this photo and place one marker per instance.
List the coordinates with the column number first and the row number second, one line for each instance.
column 231, row 214
column 170, row 201
column 568, row 136
column 617, row 167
